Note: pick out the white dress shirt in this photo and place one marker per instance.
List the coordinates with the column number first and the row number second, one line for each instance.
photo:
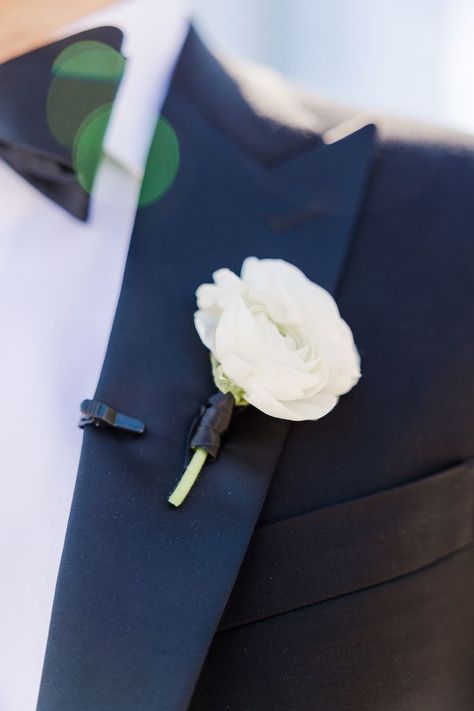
column 55, row 326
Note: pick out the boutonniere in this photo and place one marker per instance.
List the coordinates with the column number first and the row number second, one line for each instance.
column 277, row 342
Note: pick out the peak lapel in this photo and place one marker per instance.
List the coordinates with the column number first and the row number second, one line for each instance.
column 142, row 585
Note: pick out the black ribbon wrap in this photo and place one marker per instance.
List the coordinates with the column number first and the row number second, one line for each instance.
column 212, row 423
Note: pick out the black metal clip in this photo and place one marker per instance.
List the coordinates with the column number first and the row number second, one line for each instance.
column 98, row 413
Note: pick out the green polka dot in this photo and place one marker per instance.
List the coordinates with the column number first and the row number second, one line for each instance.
column 90, row 60
column 162, row 164
column 87, row 149
column 84, row 77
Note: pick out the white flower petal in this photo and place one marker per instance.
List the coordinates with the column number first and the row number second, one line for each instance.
column 205, row 323
column 279, row 337
column 314, row 408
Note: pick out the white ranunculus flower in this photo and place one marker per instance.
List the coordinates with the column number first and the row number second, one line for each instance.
column 277, row 340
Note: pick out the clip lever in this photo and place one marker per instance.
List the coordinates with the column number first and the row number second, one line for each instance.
column 98, row 413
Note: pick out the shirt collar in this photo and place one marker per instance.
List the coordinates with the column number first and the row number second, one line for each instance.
column 154, row 33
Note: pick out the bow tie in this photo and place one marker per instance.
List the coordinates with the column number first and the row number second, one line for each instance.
column 49, row 98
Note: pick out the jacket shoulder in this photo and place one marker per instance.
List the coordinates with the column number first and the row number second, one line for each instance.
column 283, row 102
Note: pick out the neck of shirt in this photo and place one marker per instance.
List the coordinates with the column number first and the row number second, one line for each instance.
column 154, row 32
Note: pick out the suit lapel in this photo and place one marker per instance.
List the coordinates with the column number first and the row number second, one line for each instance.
column 142, row 586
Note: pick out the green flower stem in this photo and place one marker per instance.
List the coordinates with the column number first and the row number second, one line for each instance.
column 189, row 477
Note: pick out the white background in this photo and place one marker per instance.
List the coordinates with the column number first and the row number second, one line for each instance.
column 413, row 58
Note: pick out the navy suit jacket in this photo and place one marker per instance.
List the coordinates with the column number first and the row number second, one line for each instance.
column 318, row 565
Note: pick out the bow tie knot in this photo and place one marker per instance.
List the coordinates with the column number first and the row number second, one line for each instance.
column 47, row 96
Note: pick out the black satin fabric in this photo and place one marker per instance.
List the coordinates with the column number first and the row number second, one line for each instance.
column 212, row 423
column 356, row 592
column 27, row 143
column 181, row 563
